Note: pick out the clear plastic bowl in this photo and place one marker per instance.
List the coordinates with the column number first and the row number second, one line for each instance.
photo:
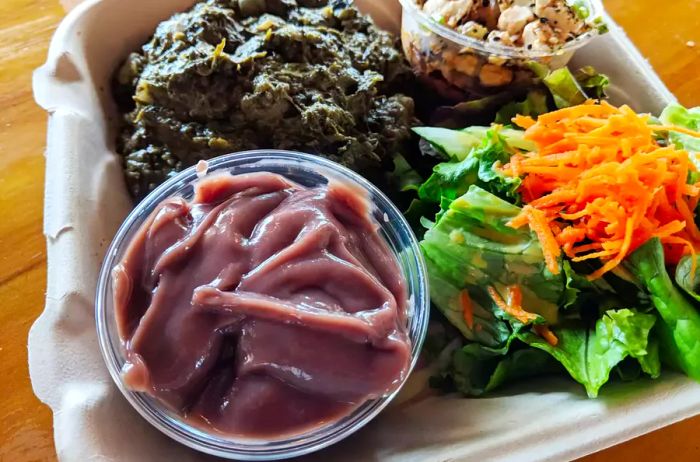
column 458, row 65
column 307, row 170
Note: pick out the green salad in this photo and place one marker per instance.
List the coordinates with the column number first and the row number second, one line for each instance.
column 555, row 246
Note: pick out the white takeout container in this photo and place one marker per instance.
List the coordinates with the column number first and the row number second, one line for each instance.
column 86, row 200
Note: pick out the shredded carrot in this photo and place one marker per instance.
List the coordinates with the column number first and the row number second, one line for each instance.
column 514, row 295
column 544, row 332
column 467, row 308
column 599, row 185
column 590, row 256
column 524, row 121
column 540, row 225
column 512, row 307
column 519, row 221
column 673, row 128
column 586, row 247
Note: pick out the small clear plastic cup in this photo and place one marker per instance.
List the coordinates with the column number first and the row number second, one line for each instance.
column 307, row 170
column 458, row 65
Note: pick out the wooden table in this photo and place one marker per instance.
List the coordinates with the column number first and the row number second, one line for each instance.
column 25, row 29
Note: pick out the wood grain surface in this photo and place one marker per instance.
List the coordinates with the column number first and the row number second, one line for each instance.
column 663, row 31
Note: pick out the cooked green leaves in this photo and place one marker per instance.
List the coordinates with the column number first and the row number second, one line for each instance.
column 316, row 77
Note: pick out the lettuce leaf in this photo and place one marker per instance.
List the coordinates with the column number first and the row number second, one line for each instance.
column 564, row 87
column 675, row 114
column 489, row 328
column 455, row 144
column 476, row 370
column 590, row 354
column 534, row 104
column 470, row 248
column 417, row 215
column 569, row 89
column 404, row 177
column 685, row 280
column 576, row 288
column 680, row 330
column 473, row 112
column 592, row 82
column 476, row 167
column 458, row 144
column 513, row 138
column 621, row 340
column 582, row 294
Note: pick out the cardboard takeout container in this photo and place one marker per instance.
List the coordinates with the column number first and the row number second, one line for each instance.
column 86, row 200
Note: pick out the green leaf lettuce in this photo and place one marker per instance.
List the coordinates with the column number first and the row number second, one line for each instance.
column 590, row 354
column 680, row 329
